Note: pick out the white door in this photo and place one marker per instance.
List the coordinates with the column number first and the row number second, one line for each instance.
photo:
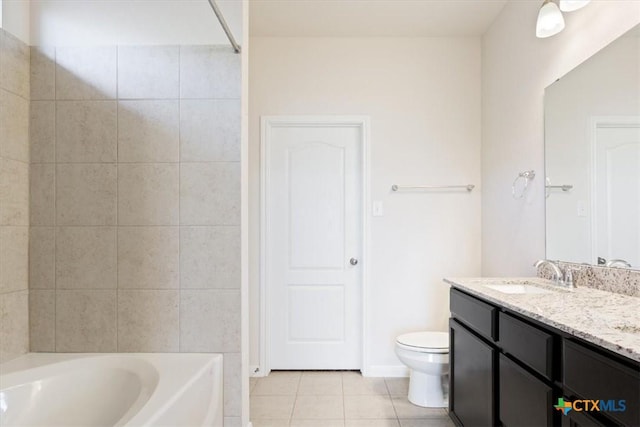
column 313, row 243
column 617, row 203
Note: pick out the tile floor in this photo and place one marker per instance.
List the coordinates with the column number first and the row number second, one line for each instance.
column 337, row 399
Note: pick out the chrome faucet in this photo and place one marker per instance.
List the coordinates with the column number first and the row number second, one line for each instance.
column 617, row 263
column 562, row 279
column 557, row 272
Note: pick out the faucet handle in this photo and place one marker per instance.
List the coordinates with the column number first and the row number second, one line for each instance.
column 568, row 278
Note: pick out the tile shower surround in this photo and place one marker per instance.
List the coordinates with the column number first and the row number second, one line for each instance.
column 14, row 197
column 135, row 202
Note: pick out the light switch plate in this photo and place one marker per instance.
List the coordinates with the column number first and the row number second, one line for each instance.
column 581, row 209
column 378, row 208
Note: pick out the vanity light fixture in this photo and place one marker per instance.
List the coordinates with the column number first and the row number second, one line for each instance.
column 571, row 5
column 550, row 20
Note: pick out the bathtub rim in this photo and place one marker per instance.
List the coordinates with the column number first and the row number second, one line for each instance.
column 177, row 378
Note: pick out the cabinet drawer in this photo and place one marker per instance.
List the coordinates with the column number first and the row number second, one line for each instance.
column 528, row 344
column 524, row 399
column 591, row 375
column 476, row 314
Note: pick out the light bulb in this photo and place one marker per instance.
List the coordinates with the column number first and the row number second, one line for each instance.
column 571, row 5
column 550, row 20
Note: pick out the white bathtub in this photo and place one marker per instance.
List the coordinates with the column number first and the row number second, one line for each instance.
column 43, row 389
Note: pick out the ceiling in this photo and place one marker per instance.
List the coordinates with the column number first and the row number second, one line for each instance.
column 371, row 18
column 127, row 22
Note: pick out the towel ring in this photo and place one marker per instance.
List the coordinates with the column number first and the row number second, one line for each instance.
column 528, row 177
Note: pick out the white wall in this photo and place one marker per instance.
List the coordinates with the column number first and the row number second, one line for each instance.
column 14, row 18
column 516, row 68
column 131, row 22
column 608, row 84
column 423, row 97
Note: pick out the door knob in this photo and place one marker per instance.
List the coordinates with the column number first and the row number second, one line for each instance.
column 353, row 261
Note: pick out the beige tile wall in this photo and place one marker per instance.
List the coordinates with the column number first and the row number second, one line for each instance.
column 14, row 197
column 135, row 195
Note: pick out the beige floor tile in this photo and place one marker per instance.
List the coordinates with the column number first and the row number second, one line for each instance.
column 427, row 422
column 406, row 409
column 353, row 384
column 317, row 423
column 398, row 387
column 371, row 407
column 270, row 423
column 321, row 373
column 318, row 408
column 277, row 383
column 320, row 384
column 337, row 399
column 272, row 407
column 372, row 423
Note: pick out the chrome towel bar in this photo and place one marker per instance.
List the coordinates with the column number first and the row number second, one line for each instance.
column 562, row 187
column 395, row 187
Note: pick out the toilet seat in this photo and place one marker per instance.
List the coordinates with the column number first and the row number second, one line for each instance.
column 425, row 342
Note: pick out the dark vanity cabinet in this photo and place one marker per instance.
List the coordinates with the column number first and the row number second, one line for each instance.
column 472, row 361
column 509, row 370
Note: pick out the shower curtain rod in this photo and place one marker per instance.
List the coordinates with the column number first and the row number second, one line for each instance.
column 225, row 27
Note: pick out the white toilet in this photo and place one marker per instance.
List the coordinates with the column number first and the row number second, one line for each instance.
column 427, row 355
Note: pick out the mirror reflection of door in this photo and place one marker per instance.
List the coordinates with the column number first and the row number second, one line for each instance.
column 617, row 193
column 592, row 159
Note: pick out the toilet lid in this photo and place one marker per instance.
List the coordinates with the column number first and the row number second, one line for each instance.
column 437, row 340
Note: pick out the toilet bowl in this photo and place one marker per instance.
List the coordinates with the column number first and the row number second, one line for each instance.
column 426, row 354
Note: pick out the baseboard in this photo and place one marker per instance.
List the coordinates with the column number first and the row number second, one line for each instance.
column 389, row 371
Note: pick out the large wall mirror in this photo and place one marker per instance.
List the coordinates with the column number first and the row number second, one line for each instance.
column 592, row 159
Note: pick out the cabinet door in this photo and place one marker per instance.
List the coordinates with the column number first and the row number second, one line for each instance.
column 472, row 380
column 579, row 419
column 591, row 375
column 524, row 400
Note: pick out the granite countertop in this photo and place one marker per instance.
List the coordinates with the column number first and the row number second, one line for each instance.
column 607, row 319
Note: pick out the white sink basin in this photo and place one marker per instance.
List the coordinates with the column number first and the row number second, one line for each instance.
column 518, row 289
